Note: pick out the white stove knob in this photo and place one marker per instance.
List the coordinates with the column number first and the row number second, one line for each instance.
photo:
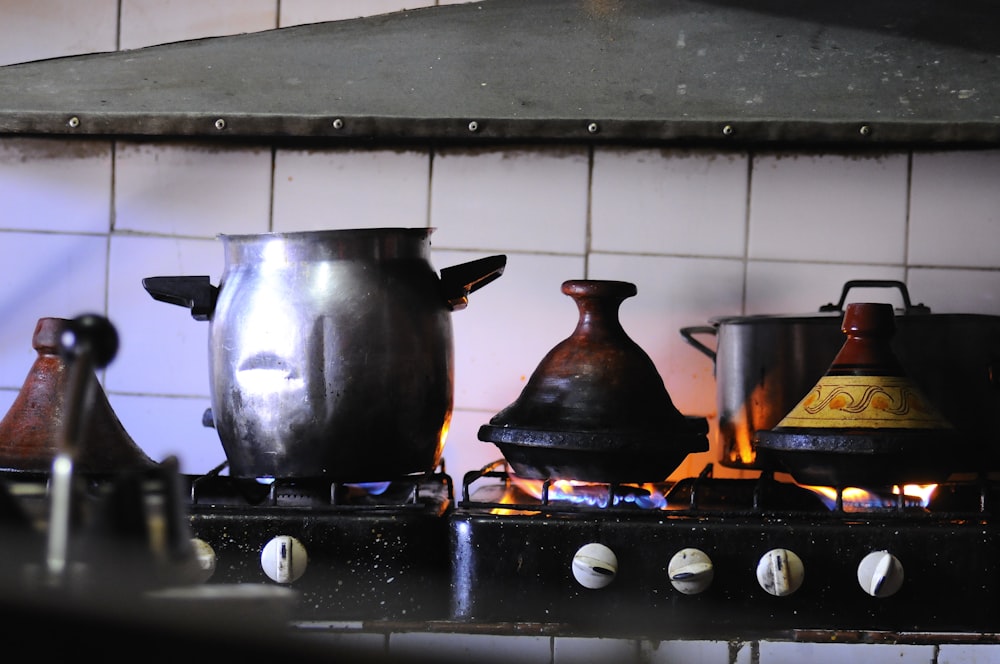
column 880, row 574
column 595, row 566
column 284, row 559
column 780, row 572
column 205, row 559
column 691, row 571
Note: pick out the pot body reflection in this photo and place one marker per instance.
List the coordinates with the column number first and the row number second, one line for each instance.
column 331, row 352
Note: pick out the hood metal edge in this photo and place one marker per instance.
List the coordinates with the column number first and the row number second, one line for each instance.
column 648, row 71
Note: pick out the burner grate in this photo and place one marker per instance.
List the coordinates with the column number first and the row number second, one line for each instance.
column 709, row 495
column 418, row 491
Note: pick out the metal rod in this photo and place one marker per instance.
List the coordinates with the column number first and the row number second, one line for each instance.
column 57, row 552
column 79, row 371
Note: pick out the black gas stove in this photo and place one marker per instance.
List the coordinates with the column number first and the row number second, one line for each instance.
column 352, row 551
column 701, row 557
column 725, row 558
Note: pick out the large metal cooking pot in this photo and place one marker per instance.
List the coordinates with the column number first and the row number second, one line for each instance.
column 764, row 365
column 330, row 352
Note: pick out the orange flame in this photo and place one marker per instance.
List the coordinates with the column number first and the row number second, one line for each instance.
column 857, row 500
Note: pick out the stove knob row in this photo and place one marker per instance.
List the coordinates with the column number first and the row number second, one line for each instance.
column 206, row 558
column 880, row 574
column 691, row 571
column 780, row 572
column 284, row 559
column 594, row 566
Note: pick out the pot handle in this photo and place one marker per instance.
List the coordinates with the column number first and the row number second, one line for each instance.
column 689, row 332
column 877, row 283
column 458, row 281
column 196, row 293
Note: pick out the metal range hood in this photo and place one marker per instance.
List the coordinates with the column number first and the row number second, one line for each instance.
column 758, row 72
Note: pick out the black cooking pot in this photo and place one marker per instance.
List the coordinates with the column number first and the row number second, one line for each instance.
column 764, row 365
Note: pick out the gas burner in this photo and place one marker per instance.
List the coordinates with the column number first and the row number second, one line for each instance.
column 704, row 493
column 515, row 492
column 421, row 491
column 352, row 551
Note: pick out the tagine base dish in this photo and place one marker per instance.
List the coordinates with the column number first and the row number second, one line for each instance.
column 866, row 458
column 596, row 456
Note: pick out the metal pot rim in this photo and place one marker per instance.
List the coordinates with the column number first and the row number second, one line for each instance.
column 825, row 317
column 331, row 233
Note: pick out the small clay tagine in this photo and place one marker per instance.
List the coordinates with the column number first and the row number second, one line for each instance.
column 595, row 409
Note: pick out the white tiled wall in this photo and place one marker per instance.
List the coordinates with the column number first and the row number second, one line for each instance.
column 484, row 648
column 701, row 234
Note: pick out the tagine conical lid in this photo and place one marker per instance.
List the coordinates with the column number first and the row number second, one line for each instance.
column 596, row 408
column 30, row 432
column 865, row 422
column 865, row 386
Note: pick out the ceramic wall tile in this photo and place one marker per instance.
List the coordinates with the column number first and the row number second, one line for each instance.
column 55, row 185
column 324, row 189
column 802, row 288
column 967, row 653
column 470, row 647
column 7, row 396
column 955, row 209
column 345, row 645
column 148, row 22
column 295, row 12
column 781, row 652
column 170, row 427
column 956, row 291
column 192, row 190
column 463, row 451
column 45, row 275
column 164, row 351
column 567, row 650
column 509, row 325
column 669, row 202
column 42, row 29
column 698, row 652
column 845, row 209
column 511, row 199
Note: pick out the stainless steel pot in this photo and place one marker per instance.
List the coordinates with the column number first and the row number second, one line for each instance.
column 764, row 365
column 330, row 352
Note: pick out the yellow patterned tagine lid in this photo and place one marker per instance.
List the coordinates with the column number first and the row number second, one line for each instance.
column 864, row 422
column 865, row 386
column 859, row 402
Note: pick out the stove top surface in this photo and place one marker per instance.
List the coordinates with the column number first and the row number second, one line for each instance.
column 720, row 557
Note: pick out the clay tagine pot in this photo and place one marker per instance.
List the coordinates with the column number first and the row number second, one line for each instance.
column 595, row 409
column 865, row 423
column 30, row 432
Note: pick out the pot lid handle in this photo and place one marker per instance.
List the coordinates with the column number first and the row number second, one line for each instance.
column 908, row 308
column 196, row 293
column 458, row 281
